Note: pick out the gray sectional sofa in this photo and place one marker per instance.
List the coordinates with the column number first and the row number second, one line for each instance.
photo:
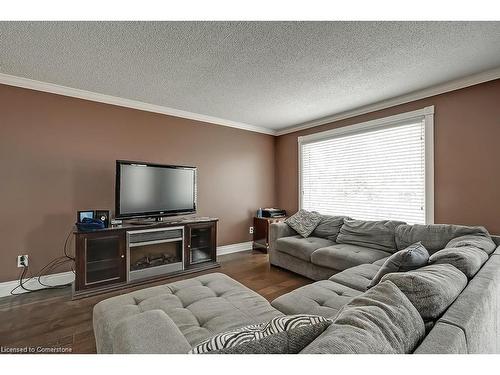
column 471, row 324
column 360, row 242
column 460, row 314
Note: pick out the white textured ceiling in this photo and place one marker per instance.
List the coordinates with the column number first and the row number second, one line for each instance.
column 267, row 74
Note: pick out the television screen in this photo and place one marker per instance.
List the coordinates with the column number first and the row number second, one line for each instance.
column 144, row 189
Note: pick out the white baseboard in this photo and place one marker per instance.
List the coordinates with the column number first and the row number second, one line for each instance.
column 68, row 277
column 33, row 284
column 234, row 248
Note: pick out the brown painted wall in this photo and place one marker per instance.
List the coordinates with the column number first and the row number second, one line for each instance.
column 57, row 155
column 466, row 155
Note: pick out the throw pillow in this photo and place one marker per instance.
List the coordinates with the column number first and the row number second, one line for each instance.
column 329, row 227
column 381, row 320
column 431, row 289
column 414, row 256
column 378, row 235
column 433, row 236
column 467, row 259
column 485, row 243
column 283, row 334
column 304, row 222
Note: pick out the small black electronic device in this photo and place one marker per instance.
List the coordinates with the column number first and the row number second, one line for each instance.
column 273, row 212
column 80, row 215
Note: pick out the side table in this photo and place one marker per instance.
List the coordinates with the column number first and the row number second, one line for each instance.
column 261, row 231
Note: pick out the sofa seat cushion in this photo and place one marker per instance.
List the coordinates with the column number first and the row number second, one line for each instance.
column 200, row 307
column 378, row 235
column 357, row 277
column 342, row 256
column 323, row 298
column 301, row 247
column 434, row 237
column 381, row 320
column 468, row 259
column 431, row 289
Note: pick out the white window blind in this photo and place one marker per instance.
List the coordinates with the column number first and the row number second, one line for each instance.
column 374, row 173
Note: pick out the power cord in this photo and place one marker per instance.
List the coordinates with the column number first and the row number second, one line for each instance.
column 45, row 270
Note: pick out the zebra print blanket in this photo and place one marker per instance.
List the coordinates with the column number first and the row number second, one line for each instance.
column 230, row 339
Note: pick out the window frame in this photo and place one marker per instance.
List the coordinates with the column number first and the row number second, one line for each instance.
column 424, row 114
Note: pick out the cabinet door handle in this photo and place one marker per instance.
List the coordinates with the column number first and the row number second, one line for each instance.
column 122, row 256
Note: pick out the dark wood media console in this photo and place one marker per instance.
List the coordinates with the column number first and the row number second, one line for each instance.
column 133, row 254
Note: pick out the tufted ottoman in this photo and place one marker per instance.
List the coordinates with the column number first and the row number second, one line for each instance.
column 174, row 317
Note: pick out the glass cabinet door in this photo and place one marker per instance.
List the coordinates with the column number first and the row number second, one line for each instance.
column 201, row 243
column 104, row 260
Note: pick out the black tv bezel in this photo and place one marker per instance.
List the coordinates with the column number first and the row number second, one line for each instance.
column 151, row 214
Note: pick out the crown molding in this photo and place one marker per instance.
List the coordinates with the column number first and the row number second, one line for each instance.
column 457, row 84
column 31, row 84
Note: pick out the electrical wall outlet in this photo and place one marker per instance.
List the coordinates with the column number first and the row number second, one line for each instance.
column 22, row 261
column 250, row 230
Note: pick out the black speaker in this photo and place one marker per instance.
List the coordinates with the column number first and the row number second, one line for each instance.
column 104, row 216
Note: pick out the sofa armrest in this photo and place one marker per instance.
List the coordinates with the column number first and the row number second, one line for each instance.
column 151, row 332
column 278, row 230
column 496, row 239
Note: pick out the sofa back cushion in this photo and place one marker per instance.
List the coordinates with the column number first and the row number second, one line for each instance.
column 433, row 236
column 357, row 277
column 281, row 335
column 484, row 243
column 304, row 222
column 413, row 257
column 378, row 235
column 329, row 227
column 467, row 259
column 381, row 320
column 430, row 289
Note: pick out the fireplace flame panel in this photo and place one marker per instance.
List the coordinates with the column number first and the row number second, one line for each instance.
column 154, row 252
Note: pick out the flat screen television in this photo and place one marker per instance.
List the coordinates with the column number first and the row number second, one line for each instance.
column 154, row 190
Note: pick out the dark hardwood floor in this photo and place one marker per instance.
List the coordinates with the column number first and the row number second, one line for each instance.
column 50, row 318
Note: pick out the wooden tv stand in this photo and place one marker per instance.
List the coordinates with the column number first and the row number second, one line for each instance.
column 132, row 254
